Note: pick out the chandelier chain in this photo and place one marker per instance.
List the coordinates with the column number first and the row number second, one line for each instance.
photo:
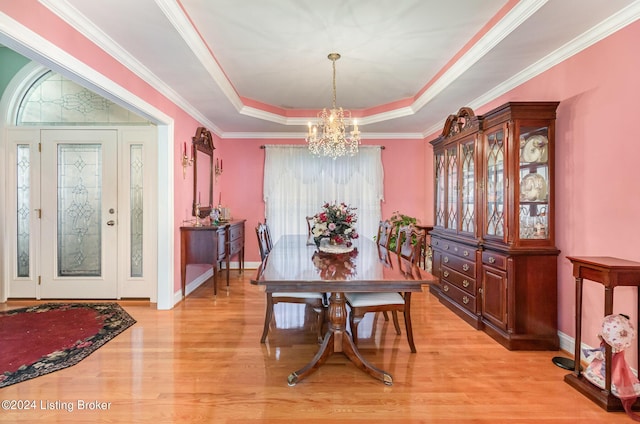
column 334, row 80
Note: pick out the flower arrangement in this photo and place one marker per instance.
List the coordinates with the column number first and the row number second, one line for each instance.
column 399, row 220
column 336, row 221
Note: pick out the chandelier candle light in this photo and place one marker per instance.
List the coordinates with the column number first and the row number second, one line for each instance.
column 330, row 136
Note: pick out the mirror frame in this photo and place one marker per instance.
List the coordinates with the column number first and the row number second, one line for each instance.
column 202, row 142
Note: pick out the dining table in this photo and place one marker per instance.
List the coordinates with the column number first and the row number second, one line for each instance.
column 296, row 264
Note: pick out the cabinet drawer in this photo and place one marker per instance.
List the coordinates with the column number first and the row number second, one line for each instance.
column 463, row 266
column 236, row 232
column 464, row 282
column 495, row 260
column 235, row 247
column 457, row 249
column 461, row 297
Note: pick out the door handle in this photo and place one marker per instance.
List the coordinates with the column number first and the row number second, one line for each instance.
column 111, row 223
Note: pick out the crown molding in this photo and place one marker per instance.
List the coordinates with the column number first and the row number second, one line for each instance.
column 80, row 23
column 599, row 32
column 512, row 20
column 518, row 14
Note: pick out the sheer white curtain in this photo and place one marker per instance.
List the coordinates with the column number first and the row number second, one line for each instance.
column 297, row 184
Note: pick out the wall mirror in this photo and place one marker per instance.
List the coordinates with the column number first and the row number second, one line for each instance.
column 202, row 153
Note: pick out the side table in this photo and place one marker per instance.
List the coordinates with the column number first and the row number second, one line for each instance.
column 610, row 272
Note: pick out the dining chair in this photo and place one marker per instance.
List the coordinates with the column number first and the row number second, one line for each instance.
column 409, row 241
column 385, row 228
column 316, row 300
column 264, row 240
column 310, row 221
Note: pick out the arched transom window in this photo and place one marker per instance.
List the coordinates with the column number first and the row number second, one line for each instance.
column 55, row 100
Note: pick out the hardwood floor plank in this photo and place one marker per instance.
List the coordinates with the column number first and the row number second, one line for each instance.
column 202, row 362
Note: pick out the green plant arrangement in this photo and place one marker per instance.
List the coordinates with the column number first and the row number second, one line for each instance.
column 399, row 220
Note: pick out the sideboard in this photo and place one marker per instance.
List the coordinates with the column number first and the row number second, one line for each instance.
column 211, row 244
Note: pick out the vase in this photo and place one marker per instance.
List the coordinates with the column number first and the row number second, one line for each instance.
column 330, row 246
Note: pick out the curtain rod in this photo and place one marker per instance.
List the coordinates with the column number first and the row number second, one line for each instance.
column 263, row 146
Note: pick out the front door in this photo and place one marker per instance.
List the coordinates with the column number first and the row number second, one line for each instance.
column 79, row 214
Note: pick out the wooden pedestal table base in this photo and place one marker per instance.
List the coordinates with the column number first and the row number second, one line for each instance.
column 338, row 340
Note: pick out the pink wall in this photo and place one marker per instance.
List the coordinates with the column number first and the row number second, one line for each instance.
column 406, row 180
column 597, row 150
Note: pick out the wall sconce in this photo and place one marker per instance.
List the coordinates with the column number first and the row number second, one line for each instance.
column 186, row 161
column 218, row 168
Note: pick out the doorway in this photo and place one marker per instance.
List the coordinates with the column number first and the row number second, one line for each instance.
column 83, row 213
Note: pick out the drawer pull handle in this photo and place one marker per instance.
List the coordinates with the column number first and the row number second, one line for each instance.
column 446, row 247
column 465, row 267
column 446, row 259
column 465, row 283
column 445, row 288
column 465, row 253
column 446, row 273
column 492, row 260
column 465, row 299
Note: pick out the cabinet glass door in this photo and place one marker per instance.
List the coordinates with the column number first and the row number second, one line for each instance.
column 467, row 198
column 534, row 183
column 495, row 209
column 440, row 191
column 452, row 188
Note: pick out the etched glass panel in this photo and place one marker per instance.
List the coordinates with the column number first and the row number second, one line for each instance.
column 79, row 210
column 452, row 189
column 23, row 207
column 495, row 184
column 468, row 187
column 440, row 211
column 55, row 100
column 136, row 204
column 534, row 183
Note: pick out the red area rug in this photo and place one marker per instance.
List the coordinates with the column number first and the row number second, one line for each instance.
column 45, row 338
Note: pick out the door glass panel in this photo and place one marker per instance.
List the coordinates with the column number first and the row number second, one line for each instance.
column 79, row 210
column 468, row 187
column 440, row 208
column 495, row 184
column 534, row 183
column 22, row 211
column 55, row 100
column 452, row 189
column 136, row 204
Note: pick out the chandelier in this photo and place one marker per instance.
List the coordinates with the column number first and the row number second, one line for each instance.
column 331, row 135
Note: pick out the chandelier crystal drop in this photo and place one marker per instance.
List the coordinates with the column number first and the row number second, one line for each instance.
column 331, row 135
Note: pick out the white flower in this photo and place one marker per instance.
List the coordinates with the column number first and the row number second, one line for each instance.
column 319, row 229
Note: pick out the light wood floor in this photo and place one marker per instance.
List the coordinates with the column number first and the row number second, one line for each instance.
column 202, row 362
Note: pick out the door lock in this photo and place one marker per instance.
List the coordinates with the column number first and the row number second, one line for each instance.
column 111, row 223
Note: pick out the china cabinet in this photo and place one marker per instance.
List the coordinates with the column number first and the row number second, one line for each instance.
column 493, row 241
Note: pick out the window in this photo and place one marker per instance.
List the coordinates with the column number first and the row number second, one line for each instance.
column 296, row 184
column 54, row 100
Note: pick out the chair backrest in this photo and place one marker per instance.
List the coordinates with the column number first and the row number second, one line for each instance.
column 309, row 224
column 264, row 243
column 269, row 242
column 409, row 244
column 385, row 228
